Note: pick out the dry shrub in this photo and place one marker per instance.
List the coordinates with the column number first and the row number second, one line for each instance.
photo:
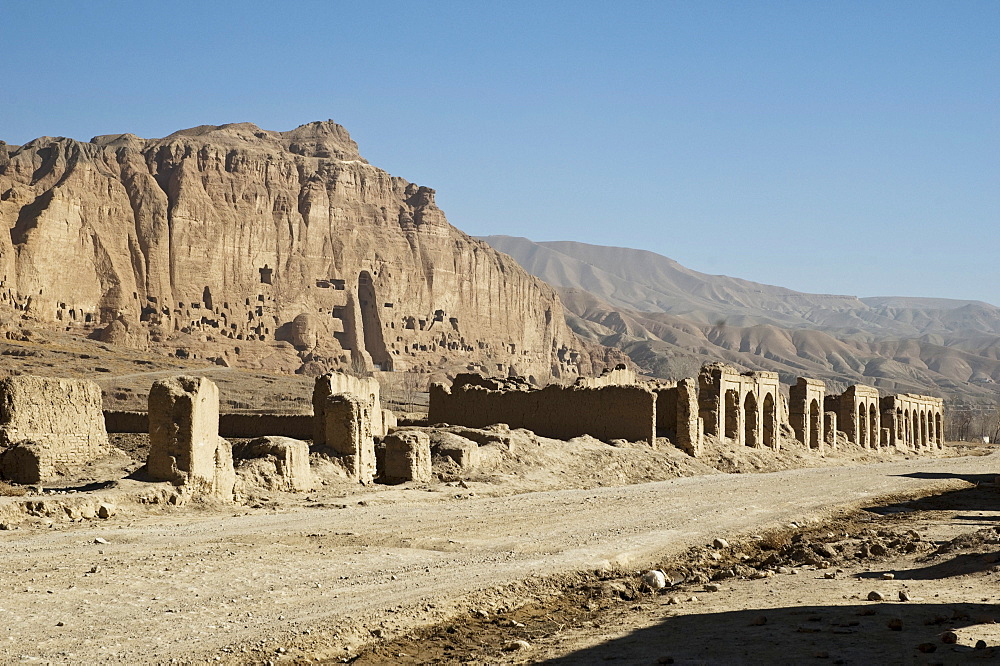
column 7, row 490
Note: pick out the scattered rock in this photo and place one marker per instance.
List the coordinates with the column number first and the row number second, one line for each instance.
column 673, row 601
column 980, row 645
column 830, row 575
column 517, row 646
column 904, row 595
column 106, row 510
column 927, row 647
column 949, row 637
column 888, row 576
column 100, row 540
column 655, row 579
column 896, row 624
column 711, row 587
column 720, row 543
column 876, row 596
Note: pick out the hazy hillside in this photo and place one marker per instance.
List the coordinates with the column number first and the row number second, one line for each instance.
column 670, row 319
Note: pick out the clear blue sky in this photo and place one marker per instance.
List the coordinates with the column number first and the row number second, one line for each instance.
column 843, row 147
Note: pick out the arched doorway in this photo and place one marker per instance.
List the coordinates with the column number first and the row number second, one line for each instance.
column 923, row 429
column 750, row 418
column 915, row 430
column 815, row 425
column 938, row 431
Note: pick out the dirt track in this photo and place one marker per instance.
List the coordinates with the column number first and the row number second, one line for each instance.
column 203, row 583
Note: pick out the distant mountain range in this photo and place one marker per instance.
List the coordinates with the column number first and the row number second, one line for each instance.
column 669, row 319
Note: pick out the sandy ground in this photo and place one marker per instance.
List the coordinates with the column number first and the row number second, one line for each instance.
column 320, row 577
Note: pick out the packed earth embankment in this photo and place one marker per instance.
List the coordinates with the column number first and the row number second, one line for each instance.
column 319, row 577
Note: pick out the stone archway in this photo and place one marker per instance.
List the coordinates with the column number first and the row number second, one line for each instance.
column 750, row 418
column 815, row 425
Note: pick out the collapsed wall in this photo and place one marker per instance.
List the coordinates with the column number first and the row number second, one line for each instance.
column 677, row 415
column 184, row 443
column 48, row 424
column 620, row 375
column 333, row 383
column 347, row 434
column 608, row 412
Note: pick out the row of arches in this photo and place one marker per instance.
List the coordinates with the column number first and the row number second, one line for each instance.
column 749, row 422
column 919, row 428
column 868, row 426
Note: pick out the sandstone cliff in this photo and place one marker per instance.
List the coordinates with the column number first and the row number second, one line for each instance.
column 277, row 250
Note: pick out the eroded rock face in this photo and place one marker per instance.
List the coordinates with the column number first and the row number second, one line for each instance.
column 288, row 245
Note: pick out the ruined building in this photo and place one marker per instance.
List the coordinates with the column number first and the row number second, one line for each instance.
column 48, row 425
column 857, row 413
column 914, row 421
column 745, row 408
column 806, row 405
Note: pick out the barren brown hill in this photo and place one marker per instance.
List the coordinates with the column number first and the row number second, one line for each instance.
column 281, row 251
column 670, row 319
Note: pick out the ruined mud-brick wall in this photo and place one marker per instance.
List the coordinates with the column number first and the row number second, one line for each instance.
column 279, row 248
column 295, row 426
column 690, row 428
column 609, row 412
column 666, row 408
column 126, row 421
column 58, row 421
column 620, row 375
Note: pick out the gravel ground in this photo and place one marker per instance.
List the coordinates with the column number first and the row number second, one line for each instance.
column 320, row 577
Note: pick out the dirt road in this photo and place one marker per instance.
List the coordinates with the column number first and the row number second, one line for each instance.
column 316, row 579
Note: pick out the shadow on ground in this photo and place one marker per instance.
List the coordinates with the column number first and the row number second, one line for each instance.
column 886, row 633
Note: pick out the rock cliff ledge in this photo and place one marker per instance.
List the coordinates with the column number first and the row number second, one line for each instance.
column 275, row 250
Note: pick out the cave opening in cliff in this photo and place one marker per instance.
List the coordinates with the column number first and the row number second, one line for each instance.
column 371, row 323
